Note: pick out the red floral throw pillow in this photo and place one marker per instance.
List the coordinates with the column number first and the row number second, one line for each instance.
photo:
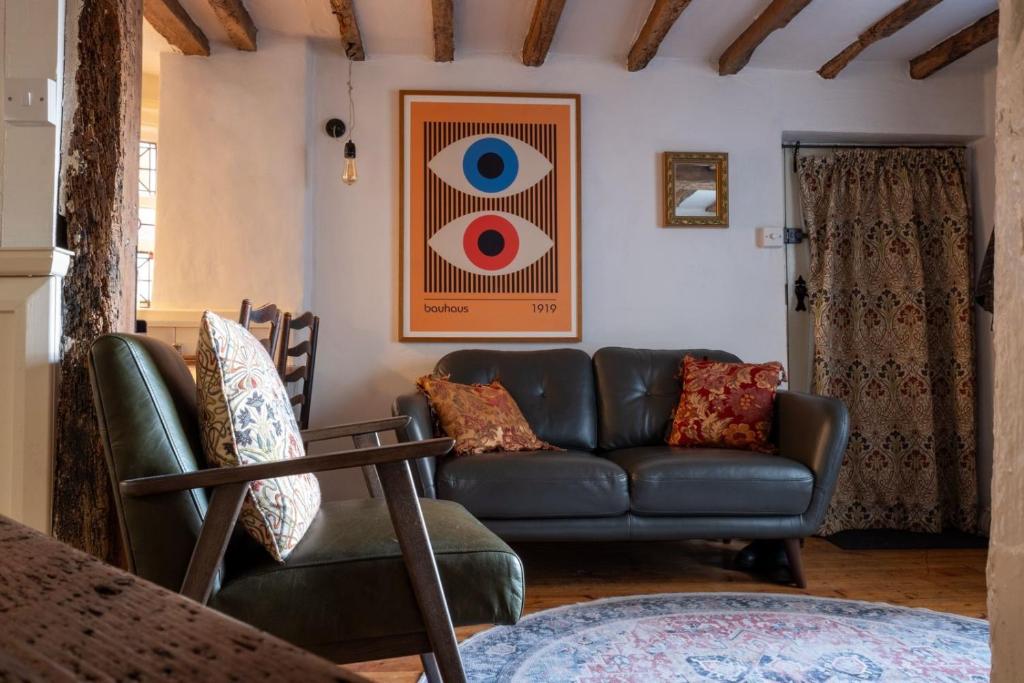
column 480, row 417
column 726, row 405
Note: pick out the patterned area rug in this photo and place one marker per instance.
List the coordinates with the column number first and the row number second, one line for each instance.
column 732, row 637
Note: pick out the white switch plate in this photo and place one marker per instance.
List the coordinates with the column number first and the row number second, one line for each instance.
column 31, row 100
column 770, row 238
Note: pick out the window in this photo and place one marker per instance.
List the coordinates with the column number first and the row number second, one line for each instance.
column 147, row 225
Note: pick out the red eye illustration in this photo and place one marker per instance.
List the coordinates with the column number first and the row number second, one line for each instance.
column 490, row 243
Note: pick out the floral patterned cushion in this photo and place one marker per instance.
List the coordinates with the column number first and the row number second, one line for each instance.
column 480, row 417
column 726, row 405
column 246, row 417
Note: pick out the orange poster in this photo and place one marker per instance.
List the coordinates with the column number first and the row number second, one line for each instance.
column 490, row 217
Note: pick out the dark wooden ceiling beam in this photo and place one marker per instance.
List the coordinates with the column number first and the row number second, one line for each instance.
column 883, row 28
column 351, row 39
column 171, row 21
column 661, row 18
column 956, row 46
column 775, row 16
column 236, row 21
column 444, row 30
column 546, row 14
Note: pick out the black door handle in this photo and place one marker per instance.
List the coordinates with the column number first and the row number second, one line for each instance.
column 800, row 290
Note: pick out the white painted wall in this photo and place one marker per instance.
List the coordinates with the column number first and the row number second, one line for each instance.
column 250, row 193
column 233, row 190
column 642, row 285
column 983, row 154
column 32, row 35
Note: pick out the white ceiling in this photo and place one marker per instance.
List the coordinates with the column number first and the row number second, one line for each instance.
column 605, row 29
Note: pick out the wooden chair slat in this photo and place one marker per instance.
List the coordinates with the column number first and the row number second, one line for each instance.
column 304, row 353
column 300, row 349
column 302, row 321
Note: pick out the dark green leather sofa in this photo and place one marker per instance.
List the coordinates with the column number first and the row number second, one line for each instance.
column 618, row 480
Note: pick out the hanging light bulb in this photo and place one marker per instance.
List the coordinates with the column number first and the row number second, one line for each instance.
column 350, row 174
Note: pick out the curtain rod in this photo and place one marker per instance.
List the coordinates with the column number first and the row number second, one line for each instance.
column 841, row 145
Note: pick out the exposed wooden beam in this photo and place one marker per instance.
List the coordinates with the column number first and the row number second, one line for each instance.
column 663, row 14
column 351, row 39
column 171, row 21
column 546, row 14
column 883, row 28
column 956, row 46
column 236, row 21
column 774, row 17
column 444, row 30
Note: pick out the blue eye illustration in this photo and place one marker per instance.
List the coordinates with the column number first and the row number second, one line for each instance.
column 490, row 243
column 490, row 165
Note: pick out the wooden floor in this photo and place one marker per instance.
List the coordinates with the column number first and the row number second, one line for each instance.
column 563, row 574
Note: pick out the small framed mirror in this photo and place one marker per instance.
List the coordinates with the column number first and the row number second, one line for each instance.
column 697, row 189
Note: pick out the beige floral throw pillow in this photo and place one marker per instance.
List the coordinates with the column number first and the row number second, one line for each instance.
column 245, row 418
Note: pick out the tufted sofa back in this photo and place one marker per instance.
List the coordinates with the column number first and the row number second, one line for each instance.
column 637, row 390
column 621, row 398
column 554, row 388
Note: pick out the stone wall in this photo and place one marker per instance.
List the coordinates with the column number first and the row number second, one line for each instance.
column 1006, row 550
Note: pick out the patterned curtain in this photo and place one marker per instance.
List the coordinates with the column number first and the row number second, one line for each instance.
column 890, row 239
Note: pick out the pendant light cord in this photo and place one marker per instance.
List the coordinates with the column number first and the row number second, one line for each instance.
column 351, row 104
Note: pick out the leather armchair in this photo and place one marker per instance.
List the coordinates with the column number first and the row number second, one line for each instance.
column 369, row 578
column 618, row 480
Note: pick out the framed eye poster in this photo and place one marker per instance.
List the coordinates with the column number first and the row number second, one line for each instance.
column 490, row 232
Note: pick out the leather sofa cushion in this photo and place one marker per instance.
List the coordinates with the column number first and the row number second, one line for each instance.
column 553, row 388
column 664, row 480
column 534, row 484
column 637, row 391
column 346, row 579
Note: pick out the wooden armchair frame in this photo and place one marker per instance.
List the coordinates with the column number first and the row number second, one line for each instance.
column 387, row 466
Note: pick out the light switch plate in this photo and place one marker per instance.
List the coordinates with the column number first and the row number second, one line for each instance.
column 770, row 238
column 31, row 100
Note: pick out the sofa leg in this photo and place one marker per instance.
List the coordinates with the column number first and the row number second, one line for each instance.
column 796, row 563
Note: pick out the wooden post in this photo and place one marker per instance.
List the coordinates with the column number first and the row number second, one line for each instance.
column 99, row 201
column 1006, row 544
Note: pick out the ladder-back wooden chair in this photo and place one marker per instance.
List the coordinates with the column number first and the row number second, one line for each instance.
column 302, row 358
column 264, row 315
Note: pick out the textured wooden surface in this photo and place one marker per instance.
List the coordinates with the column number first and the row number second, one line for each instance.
column 883, row 28
column 236, row 21
column 661, row 18
column 982, row 31
column 170, row 20
column 443, row 14
column 567, row 573
column 65, row 616
column 99, row 198
column 546, row 14
column 1006, row 568
column 351, row 39
column 777, row 15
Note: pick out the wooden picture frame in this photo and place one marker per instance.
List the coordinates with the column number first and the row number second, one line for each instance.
column 696, row 189
column 463, row 289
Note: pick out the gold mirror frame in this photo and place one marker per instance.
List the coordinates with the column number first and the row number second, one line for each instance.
column 721, row 162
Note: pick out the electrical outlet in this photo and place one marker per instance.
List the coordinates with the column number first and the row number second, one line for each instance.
column 770, row 238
